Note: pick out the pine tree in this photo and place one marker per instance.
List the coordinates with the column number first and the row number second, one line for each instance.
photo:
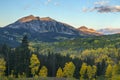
column 59, row 73
column 43, row 72
column 2, row 66
column 34, row 64
column 22, row 58
column 6, row 54
column 69, row 69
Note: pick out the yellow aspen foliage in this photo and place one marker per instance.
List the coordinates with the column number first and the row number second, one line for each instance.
column 69, row 69
column 43, row 72
column 83, row 70
column 89, row 72
column 59, row 73
column 2, row 66
column 94, row 70
column 116, row 69
column 34, row 64
column 108, row 72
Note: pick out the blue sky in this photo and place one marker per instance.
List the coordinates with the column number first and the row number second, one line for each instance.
column 95, row 14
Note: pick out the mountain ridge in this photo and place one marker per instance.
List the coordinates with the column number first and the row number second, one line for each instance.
column 89, row 31
column 43, row 29
column 38, row 29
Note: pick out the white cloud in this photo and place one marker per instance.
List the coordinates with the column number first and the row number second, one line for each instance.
column 101, row 2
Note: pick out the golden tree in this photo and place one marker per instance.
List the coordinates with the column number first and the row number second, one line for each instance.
column 34, row 64
column 83, row 71
column 2, row 66
column 108, row 72
column 69, row 69
column 43, row 72
column 59, row 73
column 89, row 72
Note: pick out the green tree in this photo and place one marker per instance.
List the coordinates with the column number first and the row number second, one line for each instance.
column 69, row 69
column 43, row 72
column 59, row 73
column 83, row 71
column 6, row 54
column 2, row 66
column 34, row 64
column 108, row 72
column 22, row 58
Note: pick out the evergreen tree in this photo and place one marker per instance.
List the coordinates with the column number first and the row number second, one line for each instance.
column 22, row 58
column 6, row 52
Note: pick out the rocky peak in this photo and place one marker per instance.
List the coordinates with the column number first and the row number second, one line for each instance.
column 86, row 30
column 46, row 19
column 31, row 17
column 28, row 18
column 83, row 27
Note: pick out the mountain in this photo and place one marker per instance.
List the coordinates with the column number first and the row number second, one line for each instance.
column 88, row 31
column 108, row 31
column 43, row 29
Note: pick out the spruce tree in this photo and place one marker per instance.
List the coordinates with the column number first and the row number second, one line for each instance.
column 22, row 58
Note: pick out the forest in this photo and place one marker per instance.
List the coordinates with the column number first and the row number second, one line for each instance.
column 92, row 58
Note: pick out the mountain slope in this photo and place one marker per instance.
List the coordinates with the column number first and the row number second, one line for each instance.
column 87, row 31
column 38, row 29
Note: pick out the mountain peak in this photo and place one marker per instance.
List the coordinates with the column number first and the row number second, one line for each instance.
column 46, row 19
column 83, row 27
column 31, row 17
column 28, row 18
column 86, row 30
